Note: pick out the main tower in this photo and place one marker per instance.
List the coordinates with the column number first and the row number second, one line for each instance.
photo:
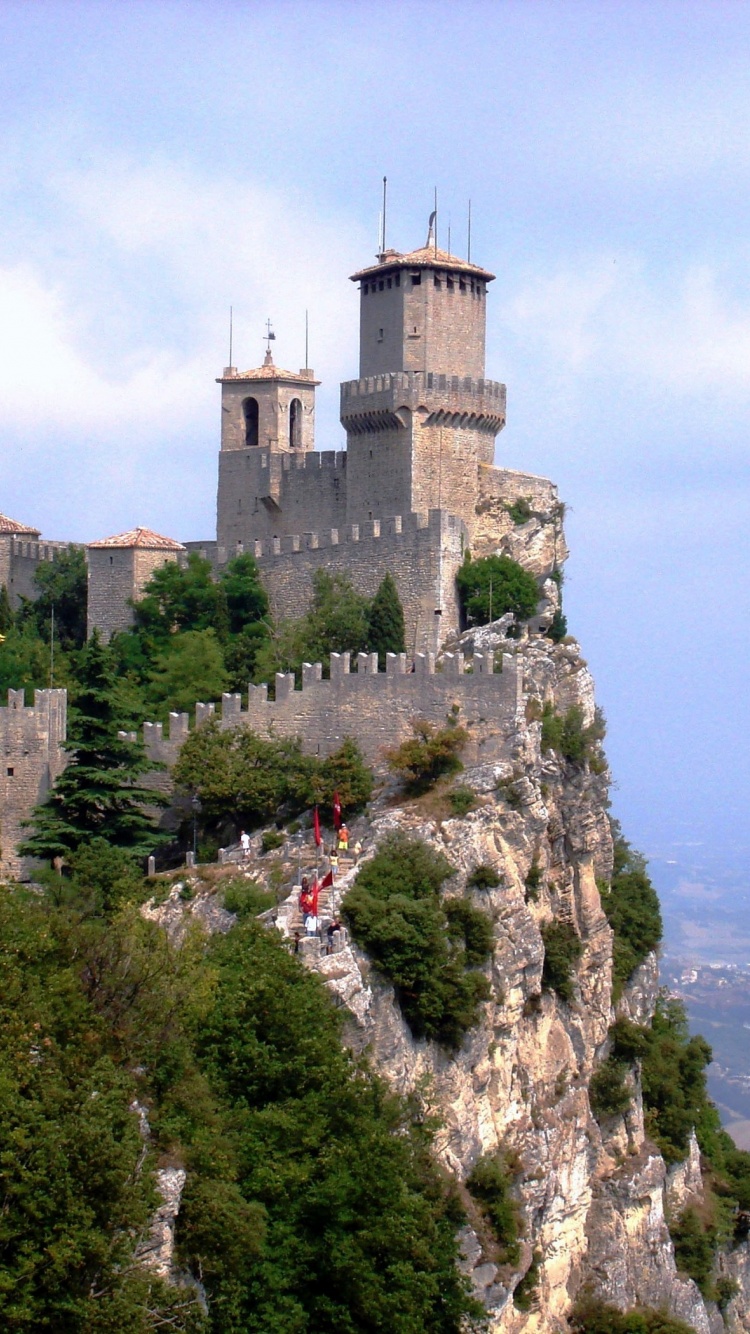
column 421, row 419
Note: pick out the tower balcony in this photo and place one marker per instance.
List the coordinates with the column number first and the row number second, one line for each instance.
column 374, row 403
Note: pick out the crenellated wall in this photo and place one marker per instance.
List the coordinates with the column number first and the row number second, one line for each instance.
column 376, row 708
column 31, row 757
column 19, row 560
column 266, row 493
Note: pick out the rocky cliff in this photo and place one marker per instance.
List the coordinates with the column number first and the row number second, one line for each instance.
column 592, row 1196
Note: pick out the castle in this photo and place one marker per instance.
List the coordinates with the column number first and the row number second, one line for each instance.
column 414, row 490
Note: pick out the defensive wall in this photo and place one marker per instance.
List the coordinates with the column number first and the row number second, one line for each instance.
column 421, row 551
column 19, row 560
column 31, row 742
column 269, row 493
column 376, row 708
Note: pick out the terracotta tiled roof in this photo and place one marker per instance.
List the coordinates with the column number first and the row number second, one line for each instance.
column 427, row 257
column 12, row 526
column 140, row 537
column 268, row 373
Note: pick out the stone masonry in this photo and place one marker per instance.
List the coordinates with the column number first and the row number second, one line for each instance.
column 31, row 742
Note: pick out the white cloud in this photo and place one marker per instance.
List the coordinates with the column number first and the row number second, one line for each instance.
column 686, row 335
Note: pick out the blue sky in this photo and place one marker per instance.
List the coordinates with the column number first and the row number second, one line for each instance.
column 161, row 161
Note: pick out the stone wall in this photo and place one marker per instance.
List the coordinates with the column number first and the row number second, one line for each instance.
column 19, row 561
column 376, row 708
column 412, row 320
column 274, row 396
column 265, row 494
column 32, row 756
column 422, row 552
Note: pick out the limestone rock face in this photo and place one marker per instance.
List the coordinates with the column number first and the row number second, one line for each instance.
column 591, row 1196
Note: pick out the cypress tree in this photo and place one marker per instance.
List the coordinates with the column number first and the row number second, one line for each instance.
column 98, row 794
column 6, row 613
column 385, row 622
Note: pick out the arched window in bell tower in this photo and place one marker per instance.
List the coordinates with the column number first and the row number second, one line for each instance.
column 295, row 424
column 250, row 413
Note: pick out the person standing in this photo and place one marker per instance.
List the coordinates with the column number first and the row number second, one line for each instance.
column 245, row 845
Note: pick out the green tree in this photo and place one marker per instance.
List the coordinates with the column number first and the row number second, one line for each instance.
column 337, row 620
column 24, row 660
column 99, row 792
column 178, row 598
column 562, row 950
column 490, row 1184
column 242, row 655
column 245, row 597
column 191, row 668
column 385, row 622
column 632, row 908
column 62, row 585
column 493, row 585
column 425, row 947
column 7, row 619
column 428, row 755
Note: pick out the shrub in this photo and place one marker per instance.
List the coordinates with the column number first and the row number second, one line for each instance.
column 462, row 800
column 428, row 755
column 246, row 898
column 493, row 585
column 608, row 1092
column 558, row 626
column 272, row 839
column 562, row 949
column 520, row 510
column 533, row 881
column 632, row 908
column 525, row 1291
column 590, row 1317
column 694, row 1247
column 489, row 1184
column 423, row 946
column 508, row 792
column 484, row 877
column 566, row 733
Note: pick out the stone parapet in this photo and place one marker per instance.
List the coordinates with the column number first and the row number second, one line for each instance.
column 373, row 403
column 31, row 741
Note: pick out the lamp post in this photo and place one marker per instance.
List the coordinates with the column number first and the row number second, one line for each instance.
column 196, row 805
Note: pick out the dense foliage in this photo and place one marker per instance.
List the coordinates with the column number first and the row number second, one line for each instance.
column 312, row 1202
column 428, row 755
column 562, row 950
column 608, row 1092
column 426, row 946
column 385, row 622
column 632, row 908
column 493, row 585
column 99, row 792
column 490, row 1185
column 243, row 780
column 591, row 1317
column 577, row 742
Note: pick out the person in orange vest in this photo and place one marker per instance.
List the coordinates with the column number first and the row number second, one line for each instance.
column 343, row 838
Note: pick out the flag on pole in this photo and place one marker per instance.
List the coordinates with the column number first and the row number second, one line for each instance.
column 315, row 891
column 316, row 828
column 336, row 811
column 327, row 881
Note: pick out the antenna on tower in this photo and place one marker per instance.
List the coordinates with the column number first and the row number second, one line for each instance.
column 307, row 339
column 231, row 363
column 449, row 233
column 436, row 221
column 385, row 200
column 468, row 255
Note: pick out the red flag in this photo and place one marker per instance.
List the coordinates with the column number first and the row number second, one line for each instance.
column 316, row 828
column 327, row 881
column 336, row 810
column 314, row 898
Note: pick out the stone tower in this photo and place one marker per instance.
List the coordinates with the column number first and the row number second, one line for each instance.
column 422, row 418
column 119, row 569
column 267, row 408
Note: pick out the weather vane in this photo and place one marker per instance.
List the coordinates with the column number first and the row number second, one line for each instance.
column 269, row 336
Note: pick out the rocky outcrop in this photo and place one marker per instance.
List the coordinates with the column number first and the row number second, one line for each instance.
column 592, row 1197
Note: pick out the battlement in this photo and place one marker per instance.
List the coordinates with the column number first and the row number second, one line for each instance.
column 398, row 526
column 37, row 551
column 374, row 403
column 32, row 740
column 376, row 708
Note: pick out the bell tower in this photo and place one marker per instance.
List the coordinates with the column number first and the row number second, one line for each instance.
column 422, row 417
column 267, row 408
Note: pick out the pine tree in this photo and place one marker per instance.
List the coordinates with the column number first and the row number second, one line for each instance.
column 98, row 794
column 6, row 612
column 385, row 622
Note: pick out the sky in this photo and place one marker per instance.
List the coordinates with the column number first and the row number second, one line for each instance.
column 161, row 162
